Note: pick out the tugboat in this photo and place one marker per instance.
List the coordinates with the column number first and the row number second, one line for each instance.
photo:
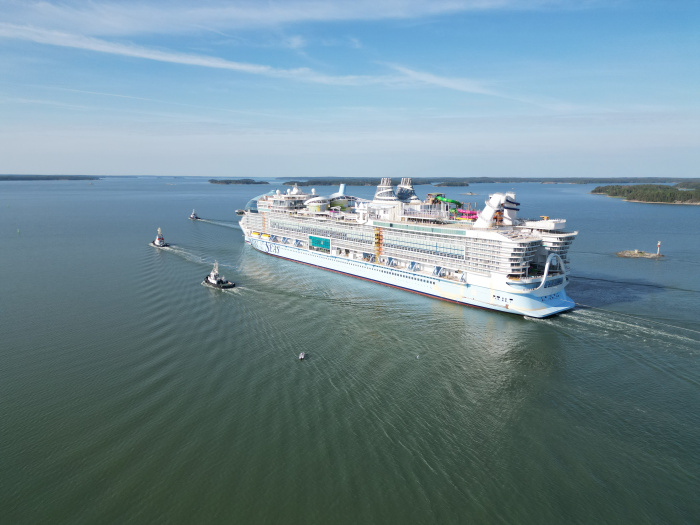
column 194, row 216
column 214, row 280
column 159, row 242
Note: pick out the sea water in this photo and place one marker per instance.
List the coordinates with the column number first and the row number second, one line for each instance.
column 130, row 393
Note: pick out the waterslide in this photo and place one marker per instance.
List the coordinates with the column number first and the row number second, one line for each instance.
column 443, row 199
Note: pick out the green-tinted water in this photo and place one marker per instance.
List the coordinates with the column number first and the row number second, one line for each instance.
column 131, row 393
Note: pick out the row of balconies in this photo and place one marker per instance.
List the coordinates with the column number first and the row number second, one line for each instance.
column 494, row 261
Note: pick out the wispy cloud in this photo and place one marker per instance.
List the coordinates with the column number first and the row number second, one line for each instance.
column 355, row 43
column 133, row 17
column 42, row 102
column 295, row 42
column 278, row 115
column 476, row 87
column 406, row 76
column 56, row 38
column 459, row 84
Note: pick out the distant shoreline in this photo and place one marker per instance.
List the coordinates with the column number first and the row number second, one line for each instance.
column 31, row 178
column 466, row 181
column 680, row 183
column 236, row 181
column 647, row 202
column 682, row 193
column 652, row 202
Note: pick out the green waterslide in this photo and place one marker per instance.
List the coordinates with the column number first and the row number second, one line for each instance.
column 451, row 201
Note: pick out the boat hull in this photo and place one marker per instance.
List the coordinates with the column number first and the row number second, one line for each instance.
column 478, row 291
column 224, row 286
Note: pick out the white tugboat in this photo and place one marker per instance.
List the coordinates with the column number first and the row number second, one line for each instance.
column 160, row 242
column 214, row 280
column 194, row 216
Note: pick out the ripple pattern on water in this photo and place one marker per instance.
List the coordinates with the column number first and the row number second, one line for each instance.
column 131, row 393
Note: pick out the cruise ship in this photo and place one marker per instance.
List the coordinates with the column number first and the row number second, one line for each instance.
column 438, row 247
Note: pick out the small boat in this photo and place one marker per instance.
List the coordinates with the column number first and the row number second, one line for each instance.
column 240, row 212
column 302, row 356
column 194, row 216
column 160, row 242
column 214, row 280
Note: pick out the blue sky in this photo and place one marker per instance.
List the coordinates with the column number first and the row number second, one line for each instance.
column 393, row 88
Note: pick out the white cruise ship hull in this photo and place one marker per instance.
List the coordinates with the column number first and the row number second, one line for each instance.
column 493, row 293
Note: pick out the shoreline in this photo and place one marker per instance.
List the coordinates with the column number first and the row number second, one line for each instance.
column 647, row 202
column 653, row 202
column 638, row 254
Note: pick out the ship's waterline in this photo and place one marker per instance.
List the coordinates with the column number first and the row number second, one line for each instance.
column 488, row 297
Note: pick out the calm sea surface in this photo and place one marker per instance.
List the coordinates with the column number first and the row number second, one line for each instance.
column 129, row 393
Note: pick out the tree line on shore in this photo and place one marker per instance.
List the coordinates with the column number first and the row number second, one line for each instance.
column 236, row 181
column 682, row 193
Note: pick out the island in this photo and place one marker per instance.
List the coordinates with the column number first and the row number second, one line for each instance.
column 639, row 254
column 237, row 181
column 681, row 193
column 690, row 184
column 451, row 183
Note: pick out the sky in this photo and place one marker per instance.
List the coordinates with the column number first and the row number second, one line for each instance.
column 308, row 88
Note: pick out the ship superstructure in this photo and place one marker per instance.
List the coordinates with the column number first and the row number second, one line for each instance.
column 487, row 258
